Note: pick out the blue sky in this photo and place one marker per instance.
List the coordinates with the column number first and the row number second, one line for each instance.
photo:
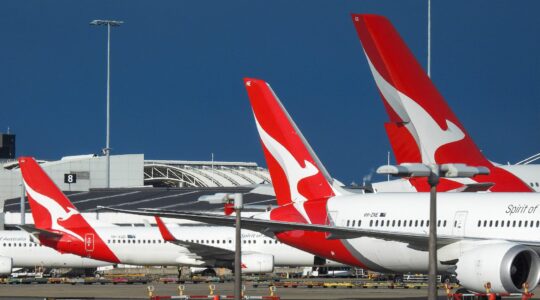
column 177, row 69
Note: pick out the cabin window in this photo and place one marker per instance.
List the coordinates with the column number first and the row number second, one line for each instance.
column 399, row 223
column 376, row 223
column 348, row 222
column 359, row 223
column 388, row 223
column 370, row 223
column 490, row 223
column 532, row 223
column 393, row 223
column 526, row 223
column 427, row 223
column 479, row 223
column 353, row 223
column 444, row 224
column 410, row 223
column 514, row 224
column 497, row 223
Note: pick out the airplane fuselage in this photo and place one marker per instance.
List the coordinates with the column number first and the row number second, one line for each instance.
column 145, row 245
column 470, row 219
column 18, row 246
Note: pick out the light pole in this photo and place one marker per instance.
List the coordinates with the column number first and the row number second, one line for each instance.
column 429, row 39
column 107, row 149
column 238, row 205
column 433, row 172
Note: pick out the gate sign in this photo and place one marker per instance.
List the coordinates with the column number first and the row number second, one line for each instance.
column 70, row 178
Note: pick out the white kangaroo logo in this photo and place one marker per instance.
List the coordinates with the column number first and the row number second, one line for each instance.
column 57, row 212
column 426, row 131
column 293, row 170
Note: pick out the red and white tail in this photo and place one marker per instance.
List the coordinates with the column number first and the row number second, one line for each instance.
column 296, row 172
column 422, row 126
column 52, row 211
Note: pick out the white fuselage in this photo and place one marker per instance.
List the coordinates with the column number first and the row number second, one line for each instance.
column 145, row 245
column 472, row 219
column 18, row 246
column 530, row 174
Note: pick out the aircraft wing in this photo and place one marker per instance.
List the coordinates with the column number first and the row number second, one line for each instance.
column 476, row 187
column 270, row 227
column 203, row 252
column 36, row 233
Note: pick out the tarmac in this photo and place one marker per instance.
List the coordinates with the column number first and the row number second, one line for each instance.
column 140, row 291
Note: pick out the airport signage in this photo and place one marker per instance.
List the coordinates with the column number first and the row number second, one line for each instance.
column 70, row 178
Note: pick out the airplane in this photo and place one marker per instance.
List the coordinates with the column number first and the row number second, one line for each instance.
column 18, row 249
column 422, row 126
column 482, row 237
column 61, row 227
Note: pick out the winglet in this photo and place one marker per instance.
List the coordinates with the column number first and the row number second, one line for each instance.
column 165, row 233
column 296, row 171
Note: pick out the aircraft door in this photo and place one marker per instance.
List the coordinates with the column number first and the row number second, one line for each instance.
column 89, row 242
column 460, row 220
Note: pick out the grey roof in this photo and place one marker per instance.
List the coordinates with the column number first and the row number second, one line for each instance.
column 165, row 198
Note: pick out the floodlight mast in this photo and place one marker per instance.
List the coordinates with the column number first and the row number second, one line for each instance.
column 433, row 172
column 238, row 205
column 107, row 149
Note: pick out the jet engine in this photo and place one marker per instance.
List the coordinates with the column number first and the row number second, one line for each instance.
column 505, row 265
column 6, row 264
column 257, row 263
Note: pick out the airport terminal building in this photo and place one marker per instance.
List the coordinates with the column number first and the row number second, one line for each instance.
column 136, row 183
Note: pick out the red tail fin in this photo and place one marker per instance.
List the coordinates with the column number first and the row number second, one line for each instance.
column 51, row 209
column 296, row 172
column 417, row 110
column 410, row 97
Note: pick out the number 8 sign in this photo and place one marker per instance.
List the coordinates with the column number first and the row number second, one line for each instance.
column 70, row 178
